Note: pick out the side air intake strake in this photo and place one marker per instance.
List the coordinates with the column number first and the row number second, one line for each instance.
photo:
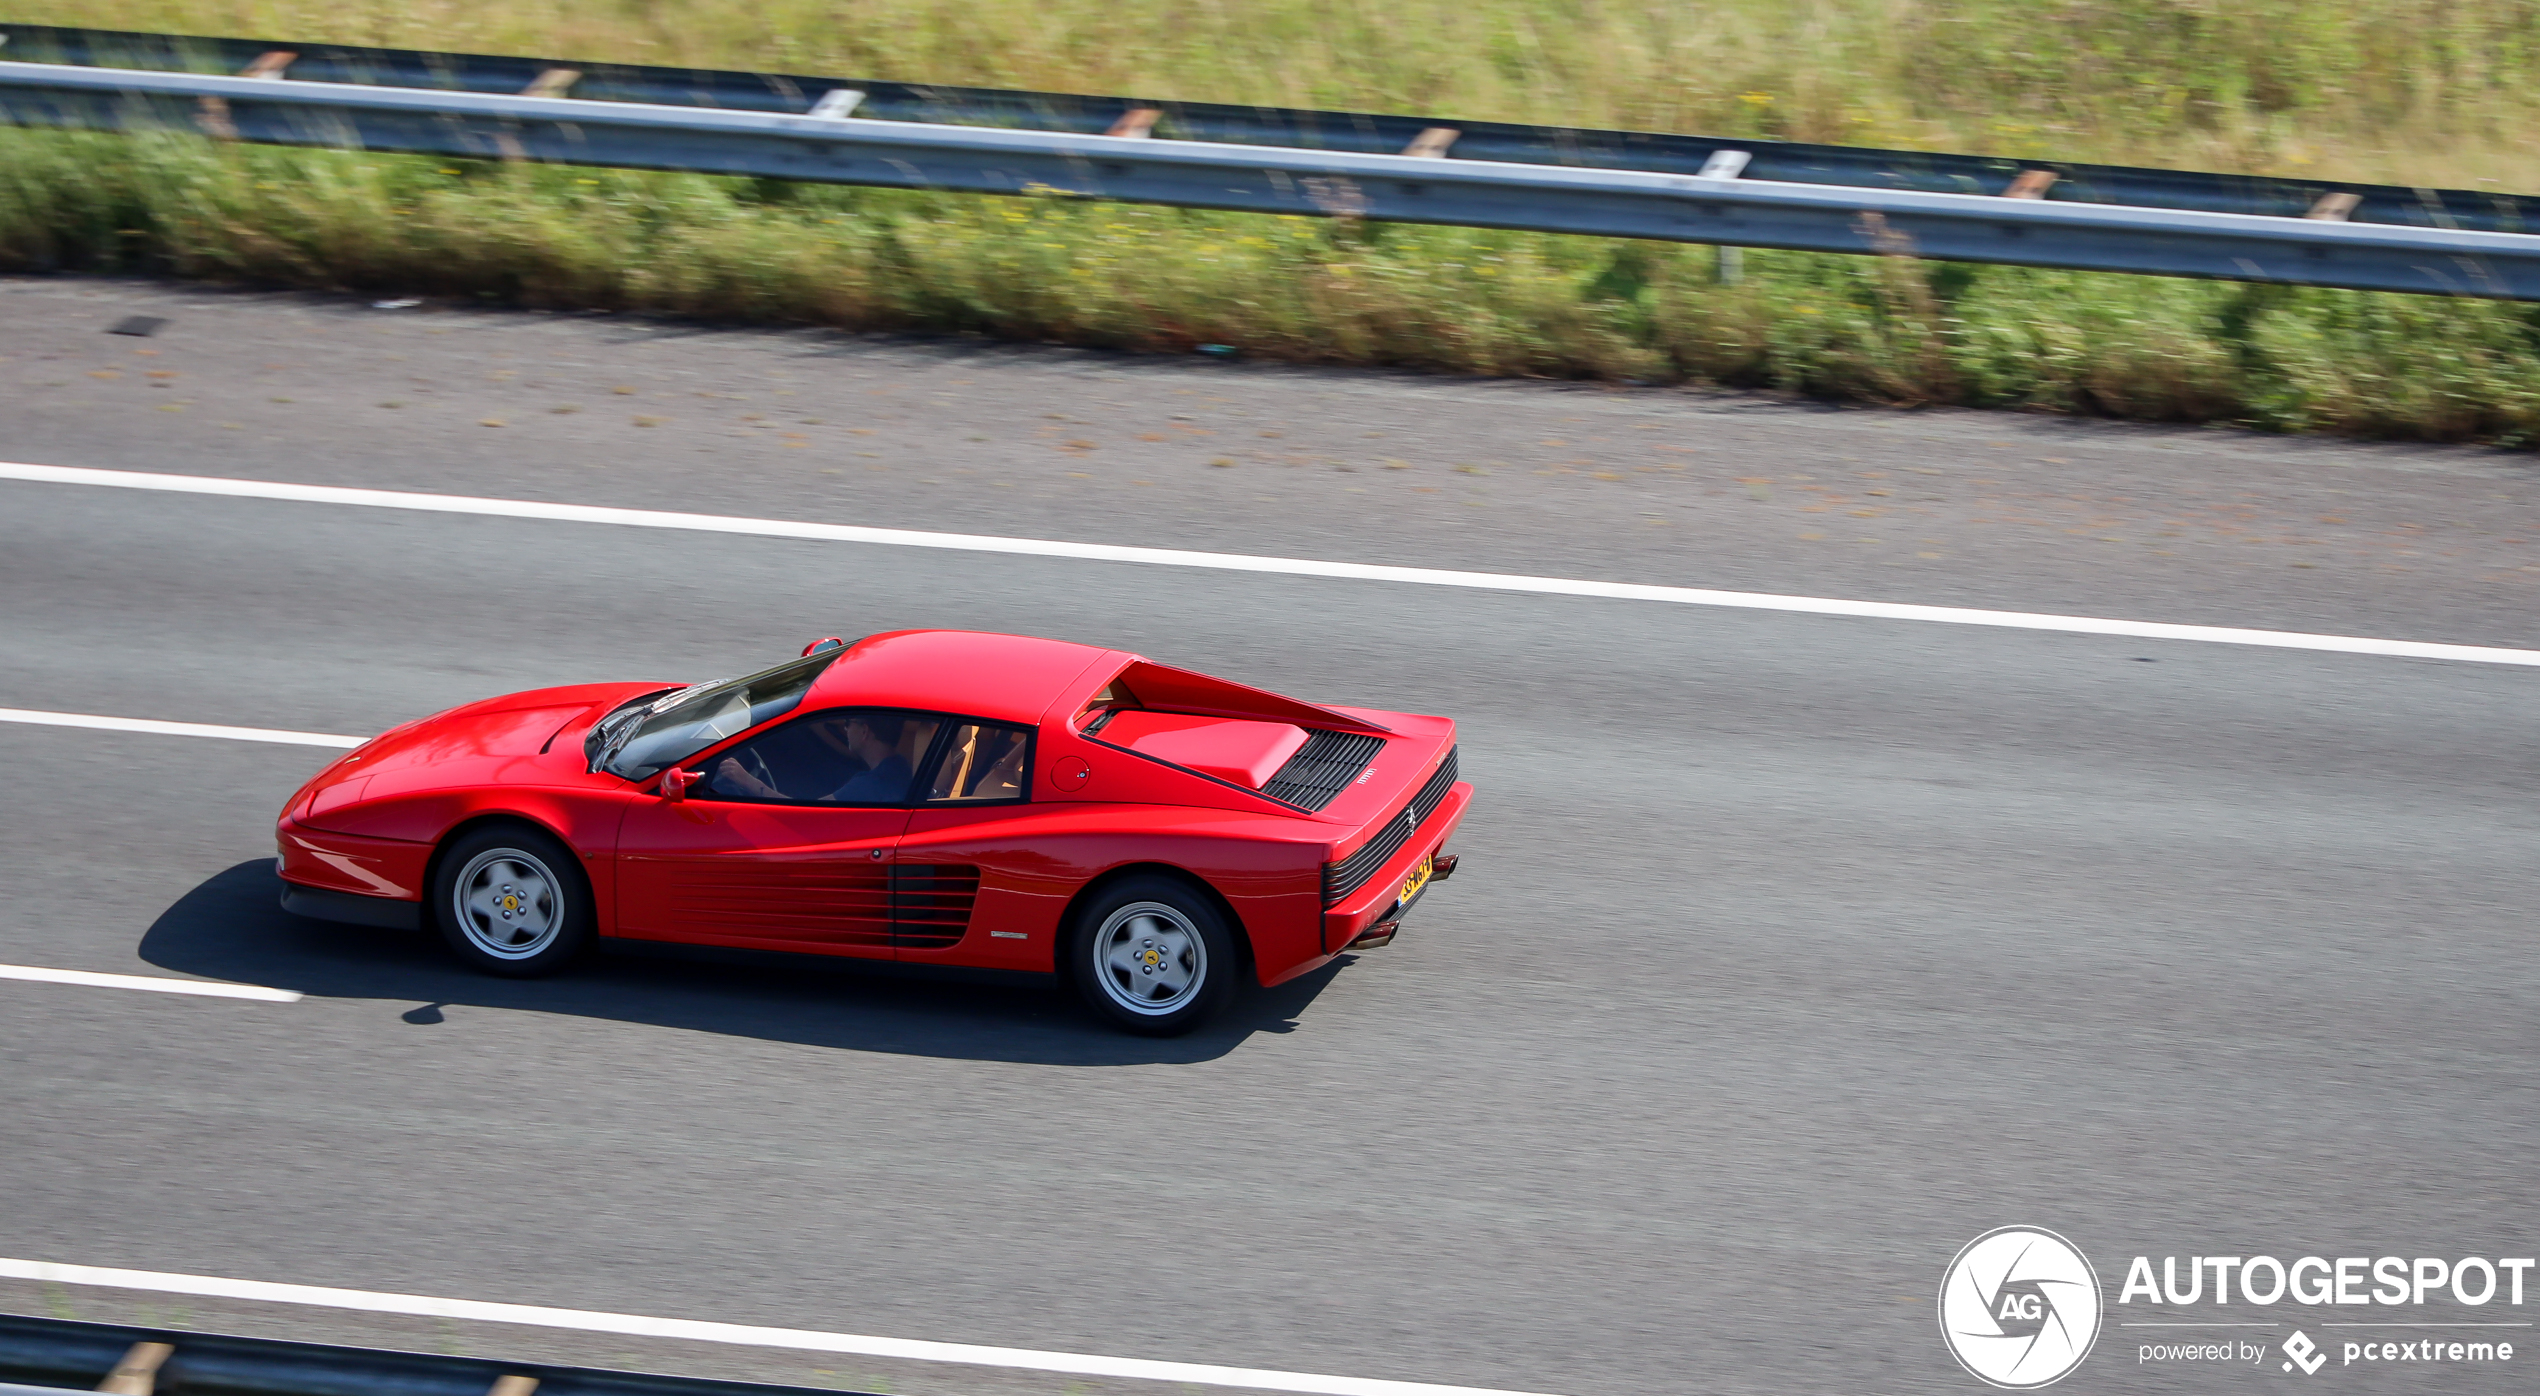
column 1322, row 768
column 1349, row 874
column 930, row 904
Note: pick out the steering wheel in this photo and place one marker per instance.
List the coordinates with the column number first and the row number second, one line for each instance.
column 757, row 765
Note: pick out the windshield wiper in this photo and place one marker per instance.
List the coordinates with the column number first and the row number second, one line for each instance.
column 604, row 740
column 677, row 696
column 611, row 732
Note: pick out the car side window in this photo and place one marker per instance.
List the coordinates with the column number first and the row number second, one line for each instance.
column 846, row 756
column 982, row 761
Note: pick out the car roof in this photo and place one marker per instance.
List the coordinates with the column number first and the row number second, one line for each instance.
column 1010, row 678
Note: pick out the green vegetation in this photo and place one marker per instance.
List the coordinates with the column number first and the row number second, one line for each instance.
column 2417, row 93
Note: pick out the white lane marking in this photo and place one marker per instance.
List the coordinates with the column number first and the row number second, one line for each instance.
column 748, row 1335
column 94, row 980
column 176, row 729
column 1241, row 562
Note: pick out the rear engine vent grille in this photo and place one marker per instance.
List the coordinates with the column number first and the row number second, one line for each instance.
column 930, row 904
column 1323, row 768
column 1349, row 874
column 1433, row 794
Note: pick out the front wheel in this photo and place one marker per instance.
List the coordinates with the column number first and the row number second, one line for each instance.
column 1155, row 957
column 512, row 901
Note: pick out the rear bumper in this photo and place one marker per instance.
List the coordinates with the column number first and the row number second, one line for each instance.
column 1380, row 898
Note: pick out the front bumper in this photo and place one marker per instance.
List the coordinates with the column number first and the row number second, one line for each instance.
column 344, row 870
column 320, row 904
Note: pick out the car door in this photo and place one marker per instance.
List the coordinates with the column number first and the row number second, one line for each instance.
column 784, row 842
column 973, row 888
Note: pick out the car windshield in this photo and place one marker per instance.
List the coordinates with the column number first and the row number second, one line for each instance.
column 678, row 725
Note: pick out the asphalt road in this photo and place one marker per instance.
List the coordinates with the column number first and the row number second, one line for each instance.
column 1789, row 953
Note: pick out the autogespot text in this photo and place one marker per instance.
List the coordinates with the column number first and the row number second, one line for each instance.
column 2351, row 1279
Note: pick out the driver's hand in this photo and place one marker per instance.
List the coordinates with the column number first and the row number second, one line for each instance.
column 729, row 772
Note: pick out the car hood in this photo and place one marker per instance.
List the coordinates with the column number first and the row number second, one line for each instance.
column 517, row 724
column 520, row 736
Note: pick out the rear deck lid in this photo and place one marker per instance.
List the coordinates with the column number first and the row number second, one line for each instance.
column 1237, row 750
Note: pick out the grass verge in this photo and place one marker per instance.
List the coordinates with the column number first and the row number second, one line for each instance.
column 1313, row 291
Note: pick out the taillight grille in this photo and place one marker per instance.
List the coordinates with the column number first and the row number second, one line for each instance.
column 1351, row 873
column 1323, row 768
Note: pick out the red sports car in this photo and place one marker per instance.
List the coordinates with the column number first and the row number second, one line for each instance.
column 930, row 796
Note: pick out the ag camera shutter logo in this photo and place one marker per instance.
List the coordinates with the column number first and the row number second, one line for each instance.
column 2019, row 1307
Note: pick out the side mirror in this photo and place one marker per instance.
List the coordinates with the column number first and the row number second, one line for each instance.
column 826, row 642
column 675, row 783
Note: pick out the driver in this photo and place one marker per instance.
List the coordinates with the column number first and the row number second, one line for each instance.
column 871, row 740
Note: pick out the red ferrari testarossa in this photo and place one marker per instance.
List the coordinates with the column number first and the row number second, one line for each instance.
column 942, row 797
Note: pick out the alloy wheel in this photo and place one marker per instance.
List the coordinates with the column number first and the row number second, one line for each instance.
column 506, row 903
column 1149, row 958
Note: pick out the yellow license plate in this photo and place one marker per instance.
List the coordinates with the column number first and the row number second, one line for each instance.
column 1419, row 877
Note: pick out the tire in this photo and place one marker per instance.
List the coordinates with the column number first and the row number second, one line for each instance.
column 1154, row 956
column 511, row 901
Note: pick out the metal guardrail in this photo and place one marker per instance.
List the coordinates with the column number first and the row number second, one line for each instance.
column 1281, row 180
column 1352, row 132
column 50, row 1356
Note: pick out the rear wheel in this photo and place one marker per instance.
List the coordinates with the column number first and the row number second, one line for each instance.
column 1154, row 956
column 512, row 901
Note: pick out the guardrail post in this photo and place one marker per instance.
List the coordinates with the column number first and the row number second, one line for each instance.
column 1136, row 122
column 837, row 103
column 212, row 113
column 554, row 82
column 1433, row 142
column 1728, row 263
column 138, row 1370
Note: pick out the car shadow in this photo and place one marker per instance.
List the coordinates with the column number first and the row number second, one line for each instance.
column 232, row 927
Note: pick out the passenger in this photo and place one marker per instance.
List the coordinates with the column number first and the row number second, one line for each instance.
column 871, row 740
column 1005, row 777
